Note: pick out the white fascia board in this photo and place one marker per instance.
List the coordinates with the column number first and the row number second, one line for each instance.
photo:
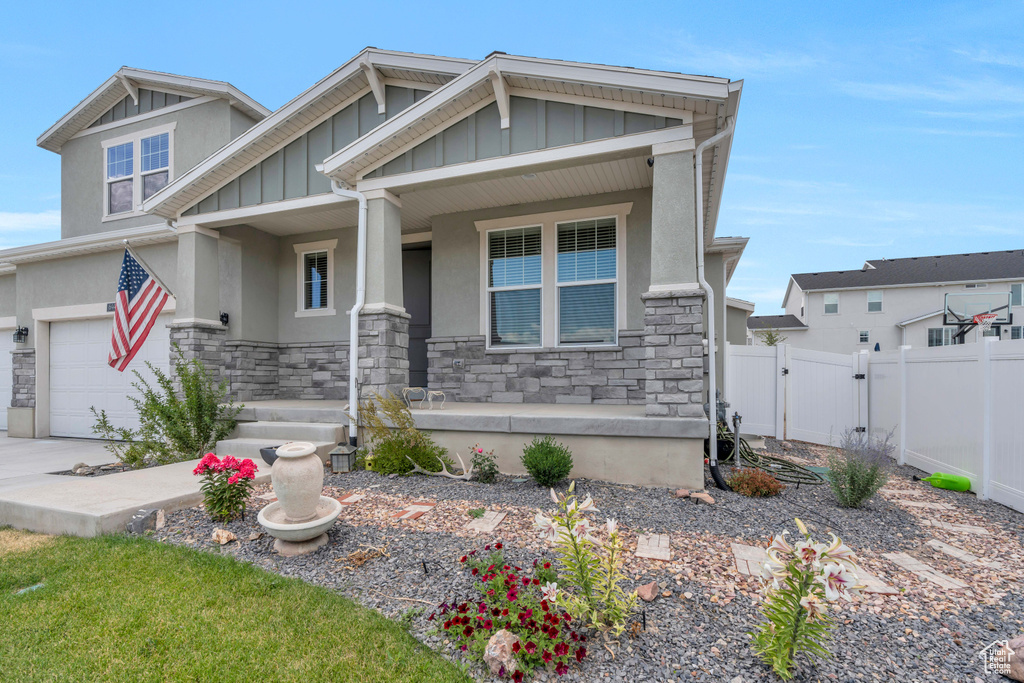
column 195, row 85
column 739, row 303
column 919, row 318
column 789, row 288
column 721, row 168
column 624, row 70
column 568, row 155
column 216, row 219
column 8, row 268
column 651, row 109
column 78, row 109
column 104, row 241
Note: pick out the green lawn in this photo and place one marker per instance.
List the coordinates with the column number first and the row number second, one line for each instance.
column 124, row 609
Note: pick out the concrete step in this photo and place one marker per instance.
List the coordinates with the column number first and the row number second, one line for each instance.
column 250, row 448
column 292, row 431
column 335, row 412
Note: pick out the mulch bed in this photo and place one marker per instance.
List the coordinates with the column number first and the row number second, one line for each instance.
column 699, row 632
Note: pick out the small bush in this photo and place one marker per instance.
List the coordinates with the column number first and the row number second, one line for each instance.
column 755, row 483
column 485, row 469
column 392, row 435
column 859, row 467
column 547, row 461
column 476, row 513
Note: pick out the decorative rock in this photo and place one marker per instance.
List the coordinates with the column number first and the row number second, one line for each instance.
column 149, row 519
column 223, row 536
column 78, row 466
column 498, row 653
column 666, row 594
column 703, row 497
column 1017, row 660
column 648, row 592
column 786, row 446
column 682, row 493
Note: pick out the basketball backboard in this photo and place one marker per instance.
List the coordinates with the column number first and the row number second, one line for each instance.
column 961, row 307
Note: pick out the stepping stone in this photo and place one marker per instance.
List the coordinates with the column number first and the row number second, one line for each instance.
column 748, row 558
column 415, row 510
column 924, row 571
column 900, row 492
column 959, row 528
column 487, row 523
column 350, row 498
column 927, row 506
column 653, row 546
column 963, row 555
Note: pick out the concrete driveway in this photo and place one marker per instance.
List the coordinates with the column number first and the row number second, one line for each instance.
column 27, row 462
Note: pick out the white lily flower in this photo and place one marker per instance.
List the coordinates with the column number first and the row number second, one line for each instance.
column 549, row 591
column 572, row 486
column 837, row 551
column 809, row 552
column 588, row 505
column 582, row 529
column 814, row 606
column 837, row 580
column 612, row 526
column 554, row 498
column 548, row 529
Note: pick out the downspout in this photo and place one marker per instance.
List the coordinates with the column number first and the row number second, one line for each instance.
column 698, row 185
column 357, row 307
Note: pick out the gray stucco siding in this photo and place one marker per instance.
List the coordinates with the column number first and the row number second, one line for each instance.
column 736, row 326
column 333, row 328
column 456, row 259
column 533, row 124
column 8, row 295
column 199, row 131
column 249, row 282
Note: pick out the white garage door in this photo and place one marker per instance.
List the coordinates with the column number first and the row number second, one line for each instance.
column 6, row 378
column 80, row 377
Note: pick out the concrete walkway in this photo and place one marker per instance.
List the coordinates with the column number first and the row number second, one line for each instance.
column 86, row 506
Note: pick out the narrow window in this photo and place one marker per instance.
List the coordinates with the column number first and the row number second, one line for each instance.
column 1015, row 332
column 1016, row 295
column 831, row 303
column 864, row 336
column 976, row 285
column 875, row 301
column 314, row 286
column 120, row 171
column 514, row 286
column 587, row 254
column 155, row 163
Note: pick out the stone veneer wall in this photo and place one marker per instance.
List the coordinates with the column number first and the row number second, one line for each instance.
column 674, row 346
column 383, row 353
column 23, row 389
column 315, row 371
column 596, row 374
column 252, row 369
column 201, row 341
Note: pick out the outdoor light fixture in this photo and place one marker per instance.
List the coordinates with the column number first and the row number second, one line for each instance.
column 343, row 459
column 650, row 162
column 224, row 319
column 21, row 335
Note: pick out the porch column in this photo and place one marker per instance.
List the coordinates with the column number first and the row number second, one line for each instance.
column 383, row 324
column 714, row 272
column 674, row 304
column 196, row 327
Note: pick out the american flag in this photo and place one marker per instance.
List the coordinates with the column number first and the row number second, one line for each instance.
column 139, row 301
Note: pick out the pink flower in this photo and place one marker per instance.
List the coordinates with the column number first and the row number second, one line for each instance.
column 479, row 450
column 209, row 462
column 233, row 479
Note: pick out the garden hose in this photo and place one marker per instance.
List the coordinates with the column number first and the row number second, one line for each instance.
column 783, row 470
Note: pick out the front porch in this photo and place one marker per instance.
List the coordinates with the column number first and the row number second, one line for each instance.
column 609, row 442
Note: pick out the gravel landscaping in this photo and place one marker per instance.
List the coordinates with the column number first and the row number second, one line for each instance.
column 697, row 629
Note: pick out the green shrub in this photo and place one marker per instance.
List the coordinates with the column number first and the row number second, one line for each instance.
column 476, row 513
column 859, row 467
column 393, row 438
column 755, row 483
column 547, row 461
column 485, row 469
column 180, row 418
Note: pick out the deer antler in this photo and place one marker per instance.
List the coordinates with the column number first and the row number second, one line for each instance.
column 466, row 474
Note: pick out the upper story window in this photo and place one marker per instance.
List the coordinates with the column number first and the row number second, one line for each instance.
column 136, row 167
column 863, row 336
column 875, row 301
column 586, row 254
column 514, row 277
column 976, row 285
column 315, row 263
column 1017, row 295
column 831, row 303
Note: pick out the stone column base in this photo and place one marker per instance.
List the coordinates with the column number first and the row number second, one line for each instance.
column 200, row 341
column 383, row 352
column 673, row 340
column 23, row 384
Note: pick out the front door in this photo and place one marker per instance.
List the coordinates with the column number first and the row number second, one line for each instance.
column 416, row 290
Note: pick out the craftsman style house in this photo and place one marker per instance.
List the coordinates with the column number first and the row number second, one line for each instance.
column 527, row 236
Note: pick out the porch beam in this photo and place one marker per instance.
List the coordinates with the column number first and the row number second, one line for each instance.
column 376, row 84
column 556, row 157
column 230, row 216
column 618, row 105
column 501, row 96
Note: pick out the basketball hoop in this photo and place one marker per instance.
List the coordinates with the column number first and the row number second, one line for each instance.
column 985, row 320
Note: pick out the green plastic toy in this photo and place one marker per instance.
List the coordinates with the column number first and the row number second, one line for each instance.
column 952, row 482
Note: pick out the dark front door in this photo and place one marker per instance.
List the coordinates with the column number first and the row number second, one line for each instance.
column 416, row 290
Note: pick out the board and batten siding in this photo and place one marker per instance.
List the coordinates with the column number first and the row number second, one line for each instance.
column 290, row 173
column 149, row 100
column 533, row 124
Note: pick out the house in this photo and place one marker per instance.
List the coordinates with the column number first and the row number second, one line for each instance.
column 892, row 302
column 737, row 312
column 522, row 234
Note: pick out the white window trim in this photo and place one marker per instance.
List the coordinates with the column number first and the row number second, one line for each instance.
column 825, row 303
column 1021, row 286
column 137, row 175
column 549, row 265
column 862, row 333
column 881, row 300
column 300, row 254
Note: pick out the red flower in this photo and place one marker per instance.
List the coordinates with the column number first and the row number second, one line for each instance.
column 516, row 647
column 487, row 547
column 233, row 479
column 566, row 617
column 544, row 605
column 481, row 607
column 431, row 617
column 464, row 558
column 546, row 656
column 553, row 632
column 536, row 582
column 504, row 612
column 209, row 462
column 518, row 677
column 475, row 571
column 531, row 647
column 580, row 654
column 561, row 650
column 488, row 624
column 490, row 592
column 575, row 637
column 547, row 565
column 561, row 669
column 247, row 469
column 468, row 631
column 526, row 581
column 498, row 546
column 511, row 596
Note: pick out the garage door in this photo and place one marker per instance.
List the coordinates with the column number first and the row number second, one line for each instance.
column 80, row 377
column 6, row 346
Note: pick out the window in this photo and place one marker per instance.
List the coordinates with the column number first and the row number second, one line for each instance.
column 831, row 303
column 875, row 301
column 586, row 254
column 941, row 336
column 315, row 278
column 976, row 285
column 135, row 168
column 1017, row 295
column 1017, row 332
column 514, row 286
column 864, row 336
column 994, row 331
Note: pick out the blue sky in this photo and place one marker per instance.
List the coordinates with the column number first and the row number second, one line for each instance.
column 876, row 130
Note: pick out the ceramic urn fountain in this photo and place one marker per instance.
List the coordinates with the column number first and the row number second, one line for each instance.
column 300, row 517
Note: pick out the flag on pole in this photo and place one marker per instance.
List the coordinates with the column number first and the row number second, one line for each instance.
column 140, row 298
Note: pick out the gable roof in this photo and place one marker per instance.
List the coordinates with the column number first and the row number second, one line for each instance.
column 126, row 82
column 291, row 119
column 985, row 265
column 775, row 322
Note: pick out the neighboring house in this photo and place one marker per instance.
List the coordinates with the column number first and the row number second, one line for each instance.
column 531, row 239
column 737, row 313
column 894, row 302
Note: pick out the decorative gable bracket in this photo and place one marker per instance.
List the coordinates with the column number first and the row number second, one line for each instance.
column 501, row 95
column 376, row 84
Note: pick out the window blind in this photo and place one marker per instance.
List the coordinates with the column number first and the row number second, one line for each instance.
column 586, row 250
column 514, row 257
column 120, row 160
column 515, row 317
column 155, row 152
column 315, row 280
column 586, row 314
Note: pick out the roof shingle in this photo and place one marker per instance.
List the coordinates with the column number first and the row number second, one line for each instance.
column 985, row 265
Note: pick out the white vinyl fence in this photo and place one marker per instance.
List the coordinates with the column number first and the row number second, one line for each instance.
column 953, row 409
